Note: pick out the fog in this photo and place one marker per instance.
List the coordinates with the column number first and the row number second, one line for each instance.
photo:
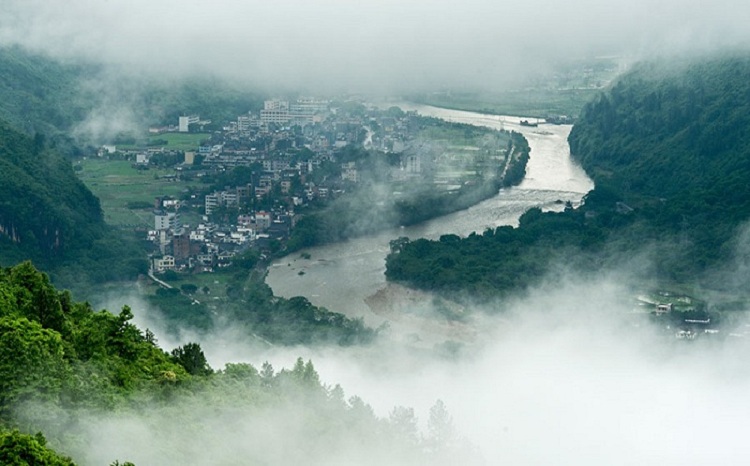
column 568, row 374
column 382, row 46
column 572, row 373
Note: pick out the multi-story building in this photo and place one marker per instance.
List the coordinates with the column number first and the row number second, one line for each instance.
column 166, row 220
column 163, row 263
column 302, row 112
column 275, row 111
column 262, row 220
column 212, row 202
column 186, row 121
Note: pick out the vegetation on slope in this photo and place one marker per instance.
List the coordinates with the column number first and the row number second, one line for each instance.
column 79, row 375
column 41, row 95
column 250, row 308
column 49, row 216
column 37, row 94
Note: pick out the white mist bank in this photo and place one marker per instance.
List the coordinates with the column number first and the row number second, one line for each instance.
column 568, row 375
column 388, row 45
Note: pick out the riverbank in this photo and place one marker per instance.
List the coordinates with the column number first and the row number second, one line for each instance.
column 444, row 168
column 414, row 317
column 346, row 276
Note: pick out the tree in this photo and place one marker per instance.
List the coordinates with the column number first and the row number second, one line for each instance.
column 440, row 430
column 191, row 357
column 266, row 374
column 17, row 449
column 404, row 423
column 189, row 288
column 32, row 361
column 40, row 300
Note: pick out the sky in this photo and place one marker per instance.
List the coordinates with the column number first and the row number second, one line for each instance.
column 366, row 45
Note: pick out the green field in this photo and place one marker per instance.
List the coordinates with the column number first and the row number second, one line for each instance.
column 180, row 141
column 116, row 183
column 170, row 141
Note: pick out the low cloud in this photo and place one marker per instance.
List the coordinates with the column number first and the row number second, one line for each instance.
column 568, row 374
column 383, row 46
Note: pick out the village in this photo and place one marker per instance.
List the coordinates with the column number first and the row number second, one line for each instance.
column 259, row 171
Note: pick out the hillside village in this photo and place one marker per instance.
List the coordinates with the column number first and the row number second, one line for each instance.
column 265, row 168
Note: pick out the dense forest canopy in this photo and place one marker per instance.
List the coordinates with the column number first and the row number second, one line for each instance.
column 39, row 94
column 668, row 146
column 48, row 215
column 77, row 374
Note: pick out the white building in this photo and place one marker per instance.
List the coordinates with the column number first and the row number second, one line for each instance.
column 212, row 202
column 301, row 112
column 161, row 264
column 186, row 121
column 166, row 220
column 262, row 220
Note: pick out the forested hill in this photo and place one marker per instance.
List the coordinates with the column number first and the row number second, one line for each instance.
column 49, row 216
column 45, row 210
column 672, row 140
column 667, row 130
column 668, row 146
column 39, row 94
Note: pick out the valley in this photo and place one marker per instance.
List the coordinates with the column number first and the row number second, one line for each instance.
column 221, row 243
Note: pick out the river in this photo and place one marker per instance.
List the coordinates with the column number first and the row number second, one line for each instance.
column 348, row 277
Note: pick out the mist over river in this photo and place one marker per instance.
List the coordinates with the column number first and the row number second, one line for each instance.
column 348, row 277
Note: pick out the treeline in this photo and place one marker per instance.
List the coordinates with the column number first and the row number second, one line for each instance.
column 72, row 374
column 519, row 150
column 672, row 141
column 668, row 147
column 498, row 261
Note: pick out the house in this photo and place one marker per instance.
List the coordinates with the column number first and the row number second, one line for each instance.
column 262, row 220
column 663, row 308
column 212, row 201
column 349, row 172
column 162, row 264
column 184, row 122
column 166, row 220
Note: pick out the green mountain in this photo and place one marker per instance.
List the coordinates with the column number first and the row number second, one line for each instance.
column 41, row 95
column 38, row 94
column 48, row 215
column 44, row 208
column 668, row 146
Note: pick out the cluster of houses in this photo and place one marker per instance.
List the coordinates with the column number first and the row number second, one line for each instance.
column 285, row 145
column 681, row 318
column 208, row 245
